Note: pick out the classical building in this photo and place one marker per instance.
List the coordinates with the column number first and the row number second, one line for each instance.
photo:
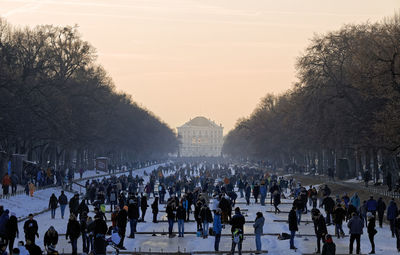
column 200, row 137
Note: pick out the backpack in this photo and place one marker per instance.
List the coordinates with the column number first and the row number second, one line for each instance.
column 236, row 236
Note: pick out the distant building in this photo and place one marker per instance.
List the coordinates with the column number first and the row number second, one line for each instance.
column 200, row 137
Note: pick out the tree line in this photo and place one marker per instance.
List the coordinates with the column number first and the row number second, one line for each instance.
column 59, row 106
column 345, row 105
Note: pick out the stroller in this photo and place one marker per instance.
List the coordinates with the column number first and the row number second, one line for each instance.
column 102, row 242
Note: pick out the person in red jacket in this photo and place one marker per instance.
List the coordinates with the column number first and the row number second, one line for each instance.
column 6, row 182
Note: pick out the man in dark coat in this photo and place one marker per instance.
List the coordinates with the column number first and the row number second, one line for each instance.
column 237, row 222
column 381, row 207
column 292, row 226
column 122, row 218
column 328, row 204
column 12, row 230
column 339, row 215
column 143, row 206
column 53, row 201
column 319, row 227
column 133, row 216
column 74, row 205
column 73, row 232
column 355, row 225
column 99, row 229
column 31, row 229
column 63, row 201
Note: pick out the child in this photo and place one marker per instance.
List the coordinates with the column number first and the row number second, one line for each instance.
column 329, row 247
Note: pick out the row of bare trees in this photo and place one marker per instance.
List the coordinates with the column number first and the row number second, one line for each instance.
column 345, row 105
column 57, row 104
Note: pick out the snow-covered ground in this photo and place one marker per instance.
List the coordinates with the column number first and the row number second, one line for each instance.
column 24, row 205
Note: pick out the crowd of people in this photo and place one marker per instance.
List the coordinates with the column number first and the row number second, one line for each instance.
column 206, row 192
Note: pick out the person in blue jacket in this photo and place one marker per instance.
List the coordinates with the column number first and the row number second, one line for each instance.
column 263, row 193
column 355, row 201
column 391, row 215
column 217, row 228
column 372, row 205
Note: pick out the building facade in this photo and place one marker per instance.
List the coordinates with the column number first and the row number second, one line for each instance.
column 200, row 137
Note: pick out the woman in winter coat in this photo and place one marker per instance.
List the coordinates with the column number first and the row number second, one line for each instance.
column 258, row 230
column 355, row 201
column 12, row 231
column 217, row 228
column 371, row 231
column 73, row 232
column 154, row 209
column 391, row 215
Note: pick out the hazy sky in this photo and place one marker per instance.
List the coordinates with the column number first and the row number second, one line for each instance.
column 183, row 58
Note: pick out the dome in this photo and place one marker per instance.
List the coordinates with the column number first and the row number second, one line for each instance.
column 200, row 122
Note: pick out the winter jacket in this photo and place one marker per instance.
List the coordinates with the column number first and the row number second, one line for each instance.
column 328, row 204
column 50, row 238
column 381, row 206
column 372, row 205
column 355, row 225
column 73, row 230
column 12, row 227
column 30, row 227
column 259, row 225
column 371, row 226
column 3, row 223
column 23, row 250
column 53, row 202
column 237, row 221
column 154, row 207
column 180, row 213
column 298, row 204
column 392, row 210
column 355, row 200
column 217, row 225
column 133, row 211
column 122, row 219
column 320, row 226
column 339, row 215
column 329, row 248
column 170, row 211
column 205, row 214
column 33, row 249
column 62, row 199
column 293, row 221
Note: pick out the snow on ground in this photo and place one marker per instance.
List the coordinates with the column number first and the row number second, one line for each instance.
column 24, row 205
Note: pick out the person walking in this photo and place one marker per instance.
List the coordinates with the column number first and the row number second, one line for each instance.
column 170, row 210
column 206, row 218
column 277, row 200
column 371, row 231
column 339, row 215
column 12, row 231
column 63, row 201
column 73, row 233
column 258, row 230
column 237, row 222
column 380, row 208
column 181, row 216
column 133, row 216
column 355, row 226
column 293, row 226
column 319, row 227
column 154, row 209
column 143, row 206
column 391, row 215
column 122, row 220
column 53, row 201
column 217, row 228
column 31, row 229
